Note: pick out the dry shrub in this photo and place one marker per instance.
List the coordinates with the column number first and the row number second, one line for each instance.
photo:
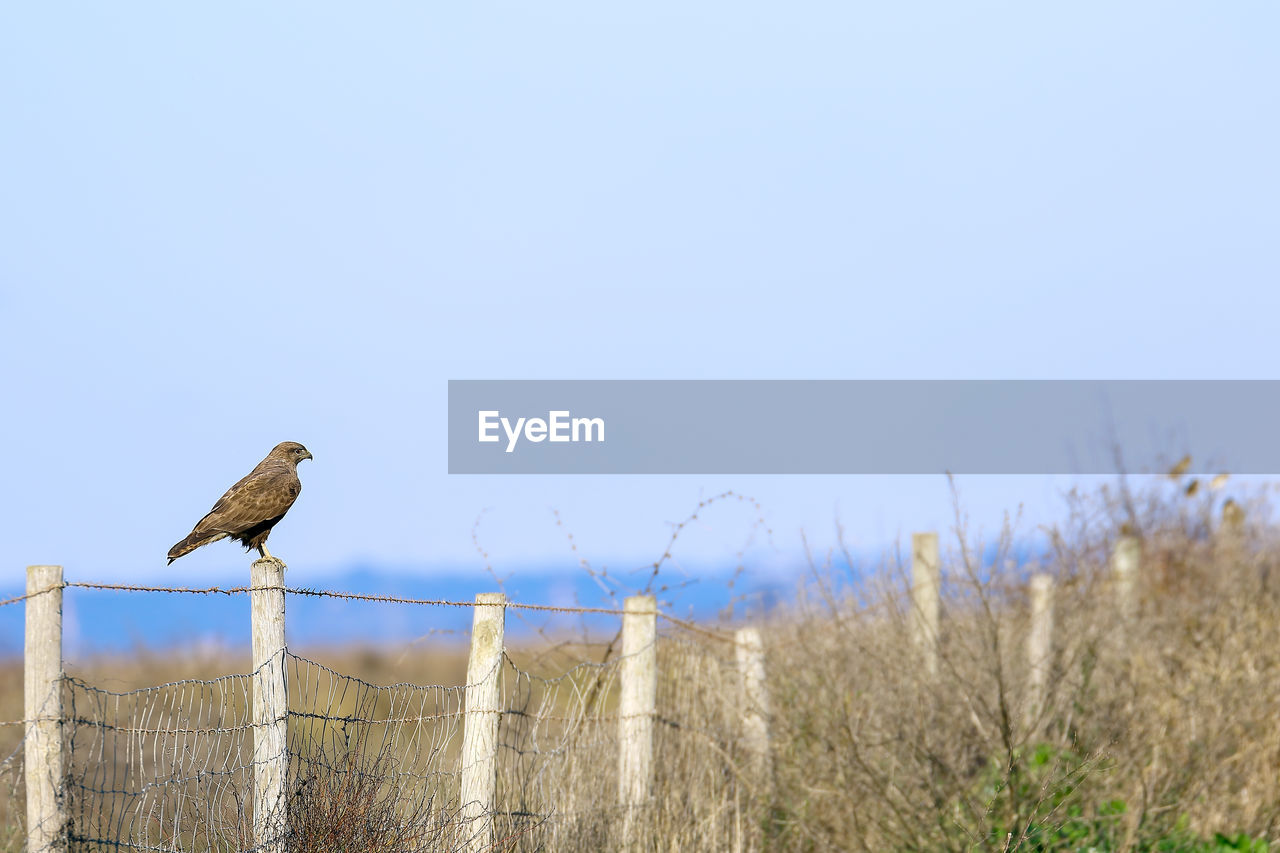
column 12, row 796
column 356, row 803
column 1158, row 725
column 346, row 800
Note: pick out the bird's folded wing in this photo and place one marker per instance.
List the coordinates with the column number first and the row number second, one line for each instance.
column 259, row 497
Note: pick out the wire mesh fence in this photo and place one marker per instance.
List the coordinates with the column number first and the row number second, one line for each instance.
column 12, row 793
column 172, row 767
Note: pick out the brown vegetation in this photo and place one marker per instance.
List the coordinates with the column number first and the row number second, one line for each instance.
column 1159, row 726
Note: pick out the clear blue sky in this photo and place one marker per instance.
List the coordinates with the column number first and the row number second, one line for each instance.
column 227, row 226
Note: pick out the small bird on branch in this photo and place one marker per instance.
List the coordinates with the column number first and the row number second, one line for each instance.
column 250, row 508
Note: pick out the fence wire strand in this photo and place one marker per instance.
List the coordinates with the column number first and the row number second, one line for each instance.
column 359, row 596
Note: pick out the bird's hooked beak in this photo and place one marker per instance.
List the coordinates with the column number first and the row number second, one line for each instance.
column 308, row 456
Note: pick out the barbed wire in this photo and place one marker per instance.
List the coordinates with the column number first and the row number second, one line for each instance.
column 18, row 598
column 884, row 599
column 371, row 597
column 306, row 591
column 392, row 599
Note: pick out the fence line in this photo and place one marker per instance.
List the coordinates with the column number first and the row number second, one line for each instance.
column 151, row 761
column 140, row 759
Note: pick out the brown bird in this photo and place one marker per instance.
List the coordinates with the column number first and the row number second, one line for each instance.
column 251, row 507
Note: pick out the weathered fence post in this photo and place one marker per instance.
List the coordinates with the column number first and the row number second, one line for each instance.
column 1125, row 560
column 1039, row 645
column 480, row 725
column 270, row 703
column 926, row 583
column 638, row 702
column 749, row 651
column 47, row 821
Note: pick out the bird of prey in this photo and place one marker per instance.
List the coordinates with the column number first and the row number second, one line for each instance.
column 251, row 507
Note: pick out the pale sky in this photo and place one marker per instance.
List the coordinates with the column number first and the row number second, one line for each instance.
column 228, row 226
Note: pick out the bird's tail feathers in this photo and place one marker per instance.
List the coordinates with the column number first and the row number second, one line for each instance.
column 193, row 541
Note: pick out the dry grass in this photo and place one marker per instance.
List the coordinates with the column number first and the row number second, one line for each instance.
column 11, row 800
column 1158, row 730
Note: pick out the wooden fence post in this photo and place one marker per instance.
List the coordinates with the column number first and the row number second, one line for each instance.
column 47, row 821
column 270, row 703
column 638, row 701
column 1125, row 561
column 1039, row 645
column 926, row 583
column 749, row 651
column 480, row 725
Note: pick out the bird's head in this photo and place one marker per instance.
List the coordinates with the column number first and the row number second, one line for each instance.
column 290, row 451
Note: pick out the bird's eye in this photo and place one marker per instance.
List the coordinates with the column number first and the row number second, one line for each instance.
column 298, row 450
